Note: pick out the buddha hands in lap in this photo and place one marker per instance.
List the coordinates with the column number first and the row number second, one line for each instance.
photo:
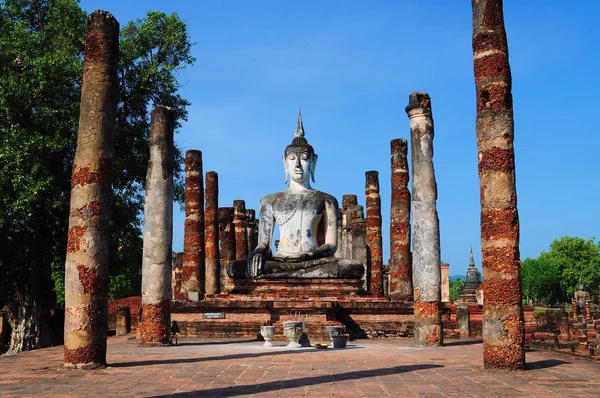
column 307, row 221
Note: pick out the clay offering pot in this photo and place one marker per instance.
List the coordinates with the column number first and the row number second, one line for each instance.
column 340, row 341
column 267, row 333
column 293, row 330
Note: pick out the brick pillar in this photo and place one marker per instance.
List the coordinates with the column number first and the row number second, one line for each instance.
column 155, row 328
column 251, row 230
column 86, row 265
column 503, row 323
column 359, row 243
column 241, row 234
column 193, row 271
column 462, row 320
column 400, row 269
column 348, row 201
column 176, row 283
column 445, row 282
column 227, row 246
column 373, row 201
column 211, row 226
column 426, row 229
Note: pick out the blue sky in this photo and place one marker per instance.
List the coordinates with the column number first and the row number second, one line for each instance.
column 351, row 65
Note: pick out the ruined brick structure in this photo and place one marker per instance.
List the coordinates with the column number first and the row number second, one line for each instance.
column 426, row 230
column 86, row 266
column 503, row 336
column 211, row 236
column 155, row 328
column 374, row 238
column 193, row 271
column 400, row 269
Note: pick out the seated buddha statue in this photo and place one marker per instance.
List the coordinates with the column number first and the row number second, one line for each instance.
column 307, row 221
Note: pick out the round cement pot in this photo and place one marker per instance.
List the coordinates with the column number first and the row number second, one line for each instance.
column 340, row 341
column 267, row 333
column 293, row 330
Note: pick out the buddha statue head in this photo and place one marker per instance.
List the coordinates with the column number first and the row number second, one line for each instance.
column 299, row 158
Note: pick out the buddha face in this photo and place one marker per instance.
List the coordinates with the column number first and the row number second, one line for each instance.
column 299, row 165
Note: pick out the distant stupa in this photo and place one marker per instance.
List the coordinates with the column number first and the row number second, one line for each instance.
column 469, row 292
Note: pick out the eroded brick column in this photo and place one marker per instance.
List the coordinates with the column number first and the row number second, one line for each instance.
column 426, row 228
column 227, row 246
column 251, row 229
column 211, row 236
column 192, row 273
column 86, row 265
column 241, row 234
column 359, row 241
column 374, row 238
column 400, row 269
column 155, row 328
column 348, row 201
column 503, row 323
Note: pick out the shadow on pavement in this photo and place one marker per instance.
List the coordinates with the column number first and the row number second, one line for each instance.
column 301, row 382
column 201, row 343
column 222, row 357
column 544, row 363
column 462, row 342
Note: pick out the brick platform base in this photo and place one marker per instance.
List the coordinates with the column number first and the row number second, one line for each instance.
column 242, row 316
column 297, row 288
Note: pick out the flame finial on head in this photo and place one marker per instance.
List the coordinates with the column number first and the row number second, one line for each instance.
column 299, row 126
column 299, row 140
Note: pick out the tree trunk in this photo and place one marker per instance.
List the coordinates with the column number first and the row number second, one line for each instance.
column 29, row 322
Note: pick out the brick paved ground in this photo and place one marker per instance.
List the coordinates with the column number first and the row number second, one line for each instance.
column 245, row 368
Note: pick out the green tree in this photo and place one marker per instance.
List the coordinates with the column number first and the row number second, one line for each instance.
column 541, row 281
column 579, row 259
column 456, row 288
column 41, row 52
column 553, row 277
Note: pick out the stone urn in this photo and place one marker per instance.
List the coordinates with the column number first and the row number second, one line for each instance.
column 340, row 340
column 293, row 330
column 267, row 332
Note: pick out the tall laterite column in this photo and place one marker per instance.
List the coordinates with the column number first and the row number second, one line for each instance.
column 86, row 265
column 400, row 285
column 155, row 328
column 211, row 226
column 426, row 225
column 374, row 238
column 192, row 273
column 227, row 247
column 241, row 233
column 503, row 324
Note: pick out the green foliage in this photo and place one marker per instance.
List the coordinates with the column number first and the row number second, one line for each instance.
column 553, row 277
column 41, row 64
column 456, row 287
column 41, row 44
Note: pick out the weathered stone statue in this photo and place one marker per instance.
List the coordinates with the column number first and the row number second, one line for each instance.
column 580, row 298
column 308, row 223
